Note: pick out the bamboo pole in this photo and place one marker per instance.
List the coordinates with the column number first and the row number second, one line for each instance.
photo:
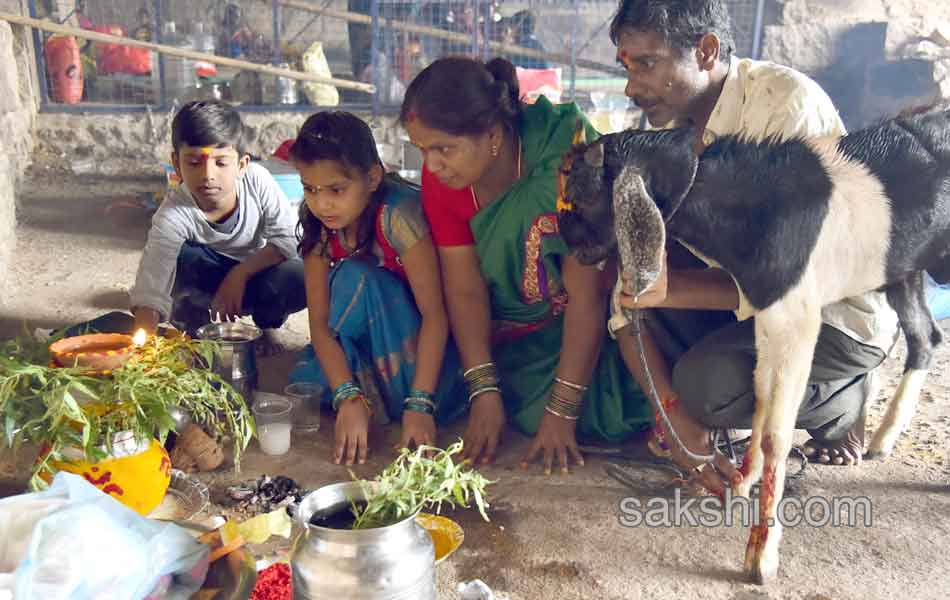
column 182, row 53
column 452, row 36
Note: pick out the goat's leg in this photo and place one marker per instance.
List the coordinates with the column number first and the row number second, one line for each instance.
column 922, row 334
column 785, row 347
column 752, row 461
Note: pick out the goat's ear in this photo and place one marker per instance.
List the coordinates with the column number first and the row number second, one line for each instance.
column 673, row 169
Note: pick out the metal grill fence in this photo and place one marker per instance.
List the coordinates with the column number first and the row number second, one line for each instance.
column 564, row 44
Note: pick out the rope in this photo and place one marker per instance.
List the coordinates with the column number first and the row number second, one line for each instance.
column 654, row 397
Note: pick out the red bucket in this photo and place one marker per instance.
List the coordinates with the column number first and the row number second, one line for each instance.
column 64, row 68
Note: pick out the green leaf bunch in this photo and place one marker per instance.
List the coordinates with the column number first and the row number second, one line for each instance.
column 423, row 478
column 67, row 407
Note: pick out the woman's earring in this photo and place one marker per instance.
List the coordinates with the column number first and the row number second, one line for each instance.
column 669, row 84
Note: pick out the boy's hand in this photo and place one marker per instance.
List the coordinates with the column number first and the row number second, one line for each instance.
column 229, row 298
column 147, row 319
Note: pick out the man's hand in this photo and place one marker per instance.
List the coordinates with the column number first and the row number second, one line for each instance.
column 556, row 437
column 655, row 295
column 698, row 440
column 229, row 298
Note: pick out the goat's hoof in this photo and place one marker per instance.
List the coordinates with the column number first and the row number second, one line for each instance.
column 875, row 454
column 761, row 557
column 762, row 574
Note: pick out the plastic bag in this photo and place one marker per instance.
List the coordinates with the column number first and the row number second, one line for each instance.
column 938, row 298
column 315, row 62
column 114, row 58
column 533, row 83
column 74, row 542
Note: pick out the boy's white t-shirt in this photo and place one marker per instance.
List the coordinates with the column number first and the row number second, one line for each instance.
column 264, row 216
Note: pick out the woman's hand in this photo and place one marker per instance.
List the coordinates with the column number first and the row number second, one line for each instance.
column 556, row 437
column 486, row 420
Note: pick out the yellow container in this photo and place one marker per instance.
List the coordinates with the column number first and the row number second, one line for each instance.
column 137, row 475
column 447, row 535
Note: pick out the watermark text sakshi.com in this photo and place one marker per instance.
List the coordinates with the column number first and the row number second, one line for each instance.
column 709, row 511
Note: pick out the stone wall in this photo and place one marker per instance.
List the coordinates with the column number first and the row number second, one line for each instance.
column 875, row 58
column 18, row 107
column 138, row 144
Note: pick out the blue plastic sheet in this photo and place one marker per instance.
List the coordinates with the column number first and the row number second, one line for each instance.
column 938, row 298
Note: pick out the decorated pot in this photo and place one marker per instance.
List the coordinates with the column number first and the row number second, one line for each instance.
column 136, row 473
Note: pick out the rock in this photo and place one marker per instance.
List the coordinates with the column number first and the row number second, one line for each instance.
column 926, row 37
column 9, row 78
column 809, row 48
column 805, row 11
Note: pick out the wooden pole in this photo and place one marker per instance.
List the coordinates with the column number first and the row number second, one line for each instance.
column 452, row 36
column 182, row 53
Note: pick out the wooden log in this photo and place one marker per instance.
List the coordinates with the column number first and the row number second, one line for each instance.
column 182, row 53
column 354, row 17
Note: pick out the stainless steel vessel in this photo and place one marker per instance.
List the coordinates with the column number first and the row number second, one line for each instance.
column 236, row 363
column 396, row 562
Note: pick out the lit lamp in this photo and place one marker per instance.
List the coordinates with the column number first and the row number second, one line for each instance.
column 99, row 352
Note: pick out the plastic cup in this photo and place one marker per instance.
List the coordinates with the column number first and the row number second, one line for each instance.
column 272, row 415
column 306, row 400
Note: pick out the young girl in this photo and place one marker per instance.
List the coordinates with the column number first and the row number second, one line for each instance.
column 378, row 326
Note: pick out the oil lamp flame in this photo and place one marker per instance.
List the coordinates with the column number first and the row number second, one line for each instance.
column 139, row 338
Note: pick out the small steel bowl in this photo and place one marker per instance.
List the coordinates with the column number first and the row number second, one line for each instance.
column 190, row 494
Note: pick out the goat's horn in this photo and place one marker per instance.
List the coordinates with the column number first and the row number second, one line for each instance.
column 562, row 204
column 580, row 134
column 595, row 156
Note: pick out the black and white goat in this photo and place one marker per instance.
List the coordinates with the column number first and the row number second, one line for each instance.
column 799, row 225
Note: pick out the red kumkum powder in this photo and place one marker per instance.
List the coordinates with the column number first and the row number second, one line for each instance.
column 274, row 583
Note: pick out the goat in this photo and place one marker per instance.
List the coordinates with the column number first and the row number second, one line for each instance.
column 799, row 224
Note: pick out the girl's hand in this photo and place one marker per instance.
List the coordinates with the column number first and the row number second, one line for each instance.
column 351, row 432
column 418, row 428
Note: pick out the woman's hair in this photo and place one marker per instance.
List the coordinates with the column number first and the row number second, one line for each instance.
column 346, row 139
column 463, row 96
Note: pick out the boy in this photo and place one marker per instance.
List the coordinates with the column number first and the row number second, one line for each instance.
column 224, row 240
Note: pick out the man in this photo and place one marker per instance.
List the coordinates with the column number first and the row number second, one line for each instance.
column 681, row 71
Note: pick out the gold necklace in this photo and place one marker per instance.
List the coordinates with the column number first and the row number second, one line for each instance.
column 517, row 177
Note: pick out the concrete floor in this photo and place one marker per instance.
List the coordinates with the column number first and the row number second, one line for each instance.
column 549, row 537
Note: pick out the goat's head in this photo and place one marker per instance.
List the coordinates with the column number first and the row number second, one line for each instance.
column 585, row 213
column 615, row 194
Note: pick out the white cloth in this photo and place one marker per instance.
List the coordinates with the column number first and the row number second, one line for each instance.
column 761, row 100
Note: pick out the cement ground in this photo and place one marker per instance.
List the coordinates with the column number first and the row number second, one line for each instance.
column 550, row 537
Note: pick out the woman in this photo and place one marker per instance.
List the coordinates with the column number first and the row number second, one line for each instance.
column 528, row 319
